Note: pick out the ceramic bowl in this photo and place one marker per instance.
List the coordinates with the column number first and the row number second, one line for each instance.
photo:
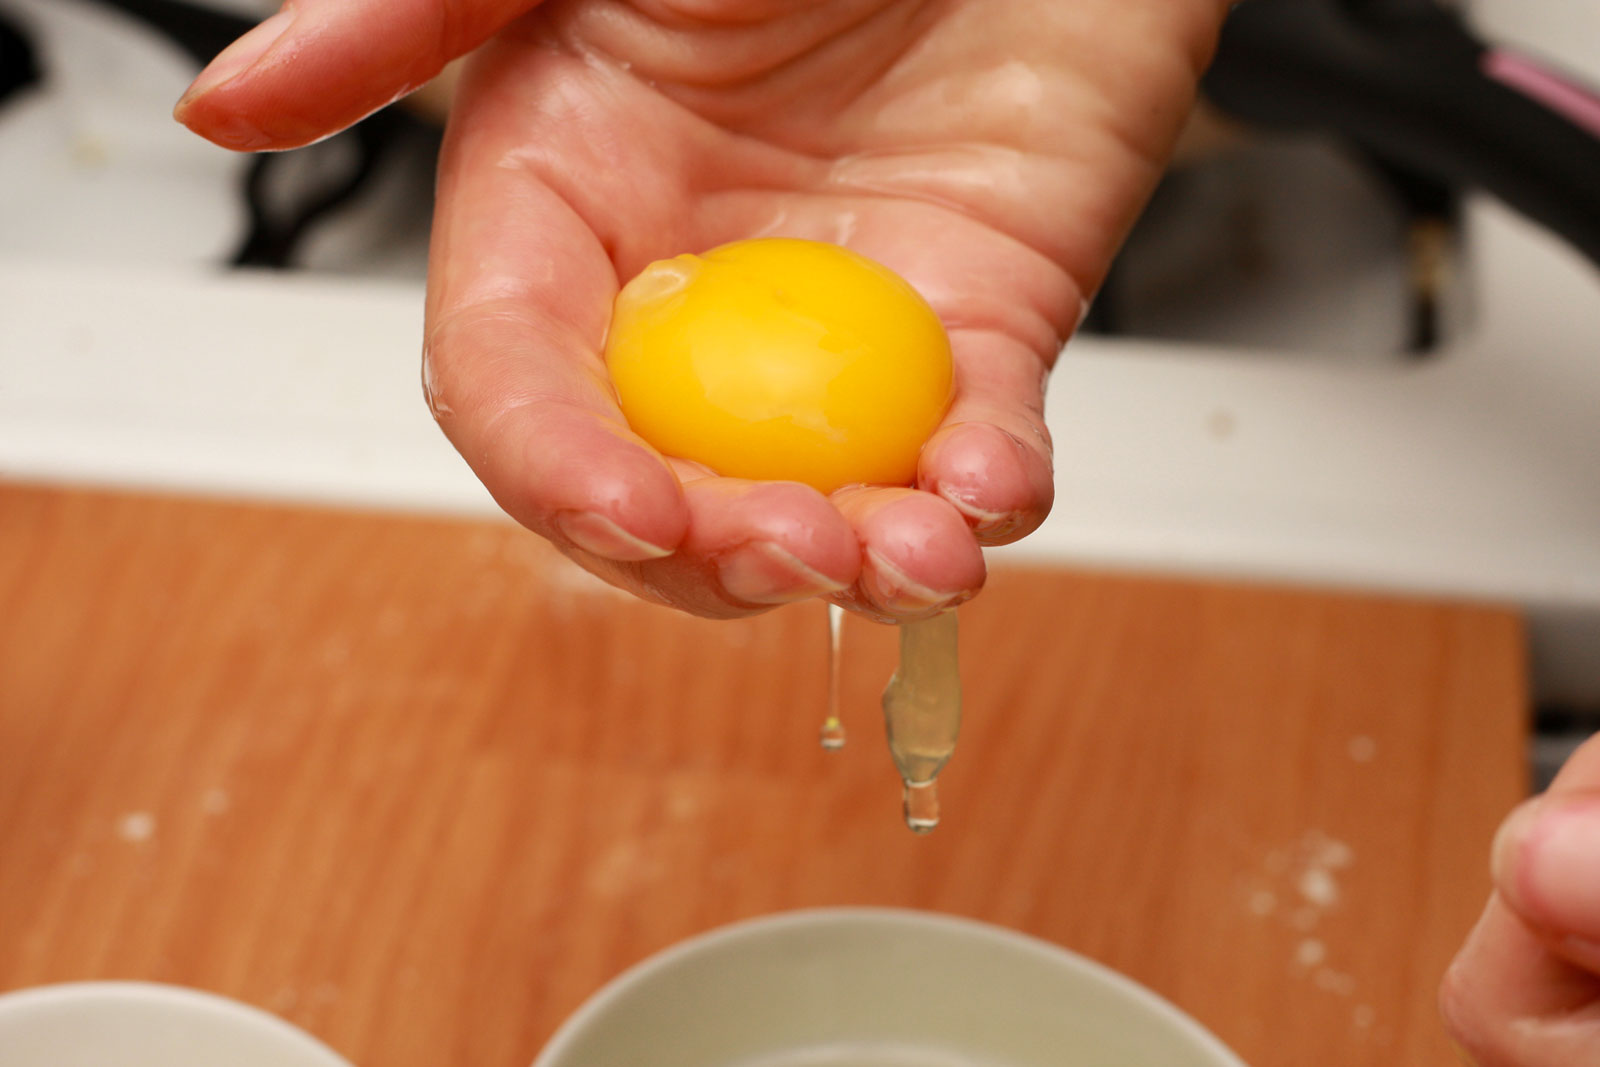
column 141, row 1024
column 876, row 988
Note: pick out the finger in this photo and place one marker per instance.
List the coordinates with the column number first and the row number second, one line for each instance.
column 750, row 546
column 519, row 295
column 1525, row 988
column 1547, row 861
column 318, row 66
column 1509, row 1002
column 918, row 556
column 528, row 407
column 991, row 458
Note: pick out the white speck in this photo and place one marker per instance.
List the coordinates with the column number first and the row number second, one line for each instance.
column 1310, row 952
column 624, row 868
column 1263, row 902
column 90, row 152
column 1324, row 851
column 136, row 826
column 683, row 804
column 1319, row 887
column 215, row 801
column 1362, row 749
column 1305, row 919
column 1364, row 1016
column 1336, row 982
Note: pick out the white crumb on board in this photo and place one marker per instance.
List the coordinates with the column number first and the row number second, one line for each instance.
column 1310, row 952
column 1307, row 871
column 1362, row 749
column 136, row 826
column 1297, row 886
column 1318, row 887
column 1335, row 982
column 215, row 801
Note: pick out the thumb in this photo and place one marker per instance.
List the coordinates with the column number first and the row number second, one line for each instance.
column 318, row 66
column 1547, row 862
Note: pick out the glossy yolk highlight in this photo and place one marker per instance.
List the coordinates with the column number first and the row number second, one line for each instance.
column 781, row 359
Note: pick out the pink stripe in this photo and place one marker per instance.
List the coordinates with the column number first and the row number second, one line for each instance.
column 1553, row 91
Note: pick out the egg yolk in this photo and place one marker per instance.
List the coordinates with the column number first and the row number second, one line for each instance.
column 781, row 359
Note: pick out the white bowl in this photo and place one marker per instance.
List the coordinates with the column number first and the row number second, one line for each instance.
column 141, row 1024
column 876, row 988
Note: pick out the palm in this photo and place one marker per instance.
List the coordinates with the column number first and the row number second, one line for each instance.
column 991, row 155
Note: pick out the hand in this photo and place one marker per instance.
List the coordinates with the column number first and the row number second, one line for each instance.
column 994, row 152
column 1525, row 989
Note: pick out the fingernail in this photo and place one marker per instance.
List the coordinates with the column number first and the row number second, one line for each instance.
column 599, row 536
column 984, row 523
column 762, row 573
column 235, row 133
column 1551, row 852
column 896, row 592
column 237, row 57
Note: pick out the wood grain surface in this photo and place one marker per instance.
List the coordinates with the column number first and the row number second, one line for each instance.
column 421, row 787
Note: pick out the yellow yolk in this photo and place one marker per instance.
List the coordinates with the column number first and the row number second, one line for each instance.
column 781, row 359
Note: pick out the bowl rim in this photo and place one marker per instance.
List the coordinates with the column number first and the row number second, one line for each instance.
column 185, row 998
column 569, row 1032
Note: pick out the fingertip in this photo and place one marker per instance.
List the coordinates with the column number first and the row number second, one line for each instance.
column 572, row 476
column 1000, row 485
column 770, row 542
column 312, row 70
column 766, row 574
column 919, row 557
column 196, row 110
column 1546, row 863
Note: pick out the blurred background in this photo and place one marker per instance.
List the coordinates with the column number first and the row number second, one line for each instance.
column 1354, row 342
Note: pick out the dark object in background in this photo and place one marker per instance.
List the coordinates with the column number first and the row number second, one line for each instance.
column 1432, row 208
column 1393, row 102
column 286, row 193
column 1410, row 84
column 19, row 66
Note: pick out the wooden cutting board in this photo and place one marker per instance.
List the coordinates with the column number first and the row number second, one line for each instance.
column 421, row 787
